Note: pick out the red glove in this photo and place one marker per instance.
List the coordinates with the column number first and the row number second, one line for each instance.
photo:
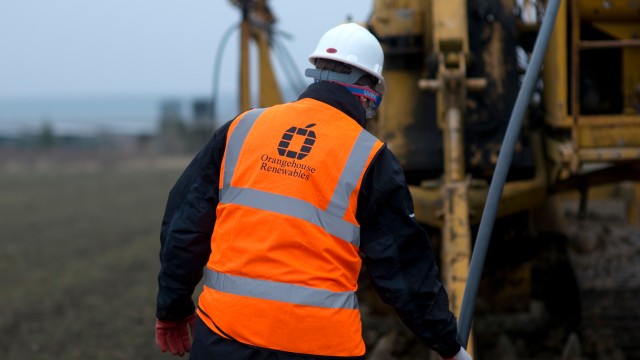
column 174, row 335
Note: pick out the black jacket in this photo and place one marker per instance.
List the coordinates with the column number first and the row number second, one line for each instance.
column 396, row 251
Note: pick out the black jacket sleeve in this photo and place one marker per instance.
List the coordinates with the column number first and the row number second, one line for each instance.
column 399, row 258
column 187, row 225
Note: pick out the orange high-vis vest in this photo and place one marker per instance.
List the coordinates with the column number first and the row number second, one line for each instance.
column 284, row 258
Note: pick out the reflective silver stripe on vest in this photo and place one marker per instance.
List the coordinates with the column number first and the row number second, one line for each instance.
column 237, row 137
column 331, row 219
column 278, row 291
column 300, row 209
column 351, row 173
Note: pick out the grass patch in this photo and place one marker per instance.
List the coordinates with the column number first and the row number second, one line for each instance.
column 79, row 260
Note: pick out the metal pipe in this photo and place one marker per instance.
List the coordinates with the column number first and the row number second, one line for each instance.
column 216, row 71
column 574, row 90
column 501, row 170
column 245, row 81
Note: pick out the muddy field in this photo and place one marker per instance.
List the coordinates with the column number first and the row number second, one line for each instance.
column 79, row 257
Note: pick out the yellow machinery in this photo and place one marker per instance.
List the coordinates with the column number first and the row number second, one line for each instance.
column 453, row 69
column 256, row 25
column 597, row 100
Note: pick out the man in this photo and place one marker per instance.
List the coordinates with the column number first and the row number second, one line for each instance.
column 278, row 207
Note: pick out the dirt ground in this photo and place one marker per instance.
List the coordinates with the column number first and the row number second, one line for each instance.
column 604, row 249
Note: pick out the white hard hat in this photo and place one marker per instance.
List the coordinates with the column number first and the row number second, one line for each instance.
column 354, row 45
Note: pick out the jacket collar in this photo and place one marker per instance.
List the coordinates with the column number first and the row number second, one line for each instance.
column 338, row 97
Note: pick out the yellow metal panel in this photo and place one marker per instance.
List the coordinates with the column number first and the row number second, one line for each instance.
column 245, row 99
column 609, row 120
column 456, row 243
column 619, row 30
column 397, row 112
column 608, row 131
column 630, row 59
column 450, row 29
column 612, row 154
column 398, row 17
column 631, row 85
column 616, row 10
column 517, row 196
column 269, row 90
column 554, row 74
column 427, row 203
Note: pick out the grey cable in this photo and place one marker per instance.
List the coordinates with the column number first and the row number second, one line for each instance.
column 501, row 170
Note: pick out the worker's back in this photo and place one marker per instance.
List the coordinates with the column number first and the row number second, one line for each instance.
column 285, row 261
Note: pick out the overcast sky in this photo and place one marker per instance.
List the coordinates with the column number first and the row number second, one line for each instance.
column 141, row 47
